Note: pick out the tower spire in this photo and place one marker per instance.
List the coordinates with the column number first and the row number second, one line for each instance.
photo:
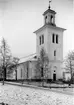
column 49, row 4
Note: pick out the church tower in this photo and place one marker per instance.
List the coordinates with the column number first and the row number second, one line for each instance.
column 50, row 37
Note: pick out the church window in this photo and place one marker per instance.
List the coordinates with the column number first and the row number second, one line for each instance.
column 51, row 19
column 57, row 39
column 54, row 52
column 45, row 19
column 53, row 38
column 42, row 39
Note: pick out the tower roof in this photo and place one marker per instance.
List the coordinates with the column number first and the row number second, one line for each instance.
column 49, row 20
column 50, row 11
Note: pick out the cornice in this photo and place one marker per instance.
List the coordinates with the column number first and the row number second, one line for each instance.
column 49, row 26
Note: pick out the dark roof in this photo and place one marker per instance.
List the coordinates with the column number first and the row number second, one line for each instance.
column 49, row 10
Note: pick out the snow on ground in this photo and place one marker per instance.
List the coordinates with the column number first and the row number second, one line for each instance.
column 16, row 95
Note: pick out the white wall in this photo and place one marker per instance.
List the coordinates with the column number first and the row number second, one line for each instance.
column 22, row 70
column 50, row 47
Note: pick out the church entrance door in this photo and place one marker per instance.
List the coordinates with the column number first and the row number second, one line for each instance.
column 54, row 77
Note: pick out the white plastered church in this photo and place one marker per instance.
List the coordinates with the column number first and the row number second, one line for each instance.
column 49, row 37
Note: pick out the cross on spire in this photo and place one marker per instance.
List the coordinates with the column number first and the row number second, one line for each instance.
column 49, row 4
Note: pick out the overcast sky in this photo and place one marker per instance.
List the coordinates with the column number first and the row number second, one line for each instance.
column 20, row 18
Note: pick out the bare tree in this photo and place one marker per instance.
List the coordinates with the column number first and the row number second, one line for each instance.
column 15, row 64
column 69, row 63
column 5, row 56
column 38, row 69
column 6, row 59
column 13, row 67
column 42, row 64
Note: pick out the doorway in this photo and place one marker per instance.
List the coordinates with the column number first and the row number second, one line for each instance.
column 54, row 77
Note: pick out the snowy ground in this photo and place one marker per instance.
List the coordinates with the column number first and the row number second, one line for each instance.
column 16, row 95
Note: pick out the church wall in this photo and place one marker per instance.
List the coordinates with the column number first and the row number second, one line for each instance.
column 32, row 69
column 21, row 71
column 55, row 60
column 48, row 20
column 38, row 46
column 55, row 68
column 50, row 47
column 53, row 46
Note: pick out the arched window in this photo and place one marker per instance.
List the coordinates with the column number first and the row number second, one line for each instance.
column 56, row 38
column 53, row 38
column 51, row 19
column 42, row 39
column 45, row 19
column 54, row 52
column 54, row 69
